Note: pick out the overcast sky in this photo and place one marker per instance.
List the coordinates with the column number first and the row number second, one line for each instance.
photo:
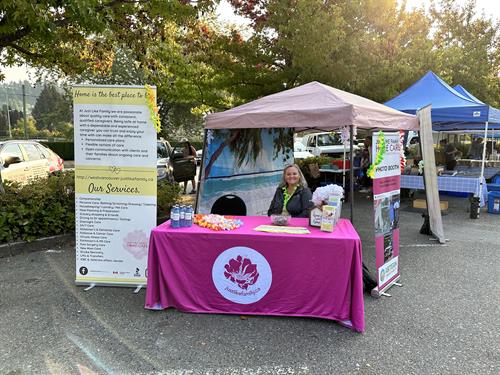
column 491, row 8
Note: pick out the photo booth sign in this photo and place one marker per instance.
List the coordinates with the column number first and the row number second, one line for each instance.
column 386, row 151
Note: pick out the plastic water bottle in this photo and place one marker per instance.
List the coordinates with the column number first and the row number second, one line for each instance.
column 182, row 216
column 175, row 217
column 189, row 216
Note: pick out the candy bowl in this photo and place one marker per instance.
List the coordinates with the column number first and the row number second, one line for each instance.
column 280, row 219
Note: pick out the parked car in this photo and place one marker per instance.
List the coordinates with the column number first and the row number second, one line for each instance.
column 25, row 161
column 325, row 144
column 172, row 164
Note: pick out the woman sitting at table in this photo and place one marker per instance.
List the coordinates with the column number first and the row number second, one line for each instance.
column 292, row 196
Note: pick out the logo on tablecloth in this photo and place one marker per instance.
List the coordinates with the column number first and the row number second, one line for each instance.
column 242, row 275
column 242, row 272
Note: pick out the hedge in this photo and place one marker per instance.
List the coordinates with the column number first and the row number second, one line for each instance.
column 65, row 150
column 46, row 207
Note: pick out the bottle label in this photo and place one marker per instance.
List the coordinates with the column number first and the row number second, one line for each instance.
column 175, row 216
column 188, row 215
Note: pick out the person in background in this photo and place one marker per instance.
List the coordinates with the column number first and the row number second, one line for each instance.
column 476, row 149
column 189, row 151
column 292, row 196
column 450, row 154
column 366, row 161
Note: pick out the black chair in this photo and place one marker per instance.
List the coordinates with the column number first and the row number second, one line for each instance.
column 229, row 205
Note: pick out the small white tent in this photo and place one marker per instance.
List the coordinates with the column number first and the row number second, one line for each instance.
column 314, row 106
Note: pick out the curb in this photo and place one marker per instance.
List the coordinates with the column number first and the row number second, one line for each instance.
column 44, row 243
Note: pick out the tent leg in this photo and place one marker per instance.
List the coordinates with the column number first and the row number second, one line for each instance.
column 351, row 172
column 201, row 170
column 481, row 177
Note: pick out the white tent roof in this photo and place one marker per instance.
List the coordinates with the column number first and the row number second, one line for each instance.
column 312, row 106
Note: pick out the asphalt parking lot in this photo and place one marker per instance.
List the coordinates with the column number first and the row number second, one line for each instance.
column 444, row 320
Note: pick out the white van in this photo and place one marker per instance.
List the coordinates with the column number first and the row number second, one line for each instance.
column 325, row 144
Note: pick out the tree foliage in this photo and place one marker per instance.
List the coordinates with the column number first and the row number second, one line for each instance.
column 51, row 109
column 468, row 49
column 73, row 35
column 374, row 48
column 14, row 116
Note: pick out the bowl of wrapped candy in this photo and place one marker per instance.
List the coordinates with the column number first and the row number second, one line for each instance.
column 280, row 219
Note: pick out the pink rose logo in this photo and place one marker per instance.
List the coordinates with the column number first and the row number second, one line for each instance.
column 136, row 243
column 241, row 271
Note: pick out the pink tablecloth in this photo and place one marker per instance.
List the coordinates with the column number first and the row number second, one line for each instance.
column 255, row 273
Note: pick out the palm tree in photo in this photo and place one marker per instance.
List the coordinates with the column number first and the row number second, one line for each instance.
column 246, row 145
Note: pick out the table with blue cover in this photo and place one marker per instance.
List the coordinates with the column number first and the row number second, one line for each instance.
column 457, row 184
column 475, row 171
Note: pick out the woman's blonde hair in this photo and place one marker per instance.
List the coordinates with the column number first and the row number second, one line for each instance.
column 302, row 179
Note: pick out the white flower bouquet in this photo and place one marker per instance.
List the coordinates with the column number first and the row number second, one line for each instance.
column 323, row 193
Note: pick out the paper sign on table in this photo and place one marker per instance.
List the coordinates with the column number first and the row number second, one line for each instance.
column 279, row 229
column 328, row 219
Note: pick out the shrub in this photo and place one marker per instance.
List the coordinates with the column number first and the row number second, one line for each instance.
column 42, row 208
column 46, row 207
column 168, row 195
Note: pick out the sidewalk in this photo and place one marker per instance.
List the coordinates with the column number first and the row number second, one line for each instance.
column 444, row 320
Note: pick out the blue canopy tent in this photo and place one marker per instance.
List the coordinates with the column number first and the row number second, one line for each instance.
column 462, row 91
column 453, row 109
column 492, row 135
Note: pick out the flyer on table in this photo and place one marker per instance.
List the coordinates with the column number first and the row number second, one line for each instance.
column 115, row 183
column 386, row 202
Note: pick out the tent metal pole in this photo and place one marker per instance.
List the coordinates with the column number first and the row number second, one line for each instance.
column 343, row 169
column 492, row 140
column 482, row 165
column 205, row 133
column 351, row 172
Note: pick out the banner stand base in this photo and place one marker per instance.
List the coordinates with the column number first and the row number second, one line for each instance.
column 139, row 287
column 375, row 293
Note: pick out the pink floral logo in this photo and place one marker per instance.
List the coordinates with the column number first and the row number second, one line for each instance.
column 136, row 243
column 242, row 272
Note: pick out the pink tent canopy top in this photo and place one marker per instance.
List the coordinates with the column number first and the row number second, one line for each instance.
column 312, row 106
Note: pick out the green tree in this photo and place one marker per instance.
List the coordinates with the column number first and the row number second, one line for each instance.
column 51, row 109
column 467, row 49
column 124, row 70
column 369, row 47
column 14, row 116
column 18, row 129
column 73, row 35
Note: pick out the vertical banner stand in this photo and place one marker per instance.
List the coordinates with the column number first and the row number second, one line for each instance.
column 115, row 183
column 385, row 172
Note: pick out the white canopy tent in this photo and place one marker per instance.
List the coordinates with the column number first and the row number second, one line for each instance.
column 312, row 106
